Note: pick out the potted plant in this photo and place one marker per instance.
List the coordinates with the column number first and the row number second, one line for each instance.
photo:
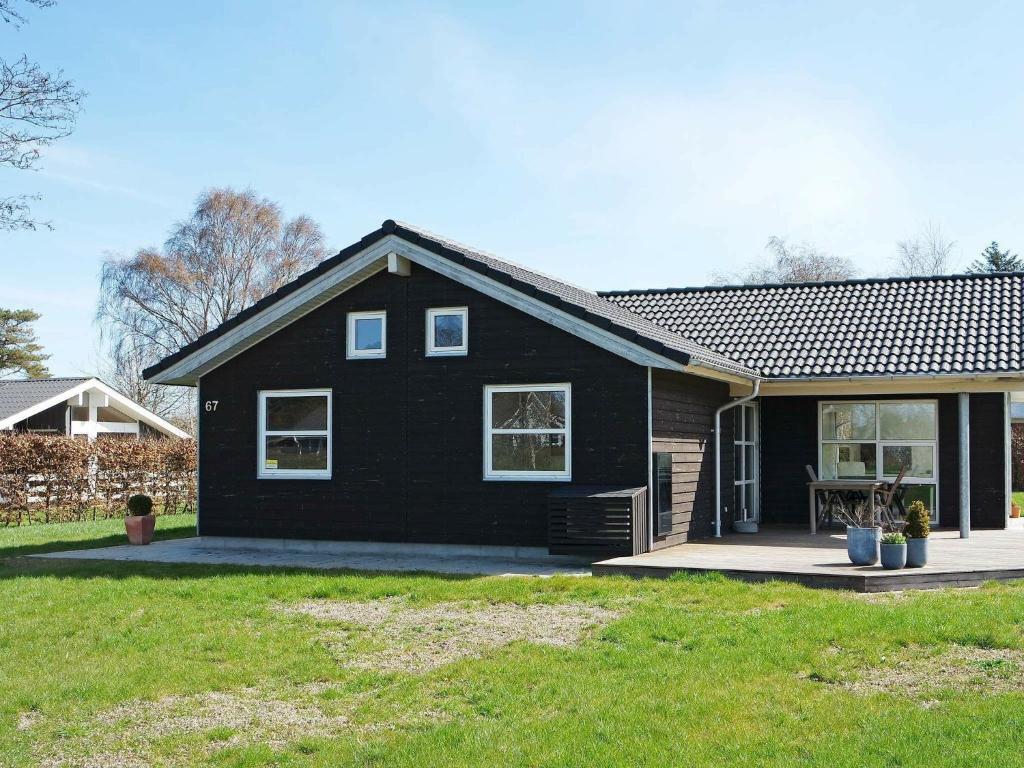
column 1014, row 509
column 916, row 530
column 862, row 536
column 894, row 551
column 140, row 522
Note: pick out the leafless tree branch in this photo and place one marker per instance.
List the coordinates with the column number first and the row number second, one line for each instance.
column 234, row 249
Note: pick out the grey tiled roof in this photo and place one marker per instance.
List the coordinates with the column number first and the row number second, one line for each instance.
column 18, row 394
column 956, row 324
column 578, row 302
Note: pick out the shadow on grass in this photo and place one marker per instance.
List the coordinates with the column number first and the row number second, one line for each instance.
column 87, row 541
column 20, row 567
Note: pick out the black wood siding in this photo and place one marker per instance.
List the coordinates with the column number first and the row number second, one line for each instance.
column 789, row 441
column 682, row 424
column 408, row 430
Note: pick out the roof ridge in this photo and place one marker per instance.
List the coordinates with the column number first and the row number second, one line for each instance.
column 48, row 378
column 473, row 249
column 814, row 283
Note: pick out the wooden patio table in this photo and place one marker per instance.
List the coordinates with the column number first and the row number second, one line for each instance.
column 869, row 487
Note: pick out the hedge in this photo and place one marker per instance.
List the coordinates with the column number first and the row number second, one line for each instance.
column 51, row 478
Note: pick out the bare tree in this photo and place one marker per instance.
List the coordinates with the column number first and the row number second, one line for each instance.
column 800, row 263
column 929, row 253
column 232, row 251
column 9, row 13
column 36, row 109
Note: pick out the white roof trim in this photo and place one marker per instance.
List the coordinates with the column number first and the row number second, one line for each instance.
column 361, row 266
column 123, row 403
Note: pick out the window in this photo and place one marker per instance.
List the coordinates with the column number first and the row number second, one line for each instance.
column 295, row 434
column 875, row 440
column 447, row 331
column 745, row 467
column 527, row 434
column 661, row 486
column 367, row 335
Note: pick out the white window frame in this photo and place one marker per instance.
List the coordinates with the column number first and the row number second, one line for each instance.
column 263, row 433
column 435, row 351
column 742, row 474
column 553, row 475
column 881, row 443
column 350, row 336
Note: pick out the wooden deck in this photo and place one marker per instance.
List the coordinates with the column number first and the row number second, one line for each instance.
column 820, row 560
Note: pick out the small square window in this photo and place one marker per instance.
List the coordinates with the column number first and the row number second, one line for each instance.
column 447, row 331
column 367, row 335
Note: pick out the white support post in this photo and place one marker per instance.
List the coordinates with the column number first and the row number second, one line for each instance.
column 965, row 464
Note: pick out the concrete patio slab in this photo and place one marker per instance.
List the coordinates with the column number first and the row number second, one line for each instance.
column 819, row 560
column 334, row 555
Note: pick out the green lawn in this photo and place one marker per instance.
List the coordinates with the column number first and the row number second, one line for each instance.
column 133, row 664
column 1018, row 498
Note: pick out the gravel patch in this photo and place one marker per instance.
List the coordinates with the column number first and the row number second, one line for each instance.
column 27, row 720
column 125, row 736
column 415, row 639
column 920, row 672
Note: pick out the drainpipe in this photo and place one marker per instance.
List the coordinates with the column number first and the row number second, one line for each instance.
column 718, row 452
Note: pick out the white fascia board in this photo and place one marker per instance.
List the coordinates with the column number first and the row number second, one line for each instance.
column 78, row 393
column 532, row 306
column 63, row 397
column 116, row 400
column 1006, row 381
column 314, row 294
column 374, row 259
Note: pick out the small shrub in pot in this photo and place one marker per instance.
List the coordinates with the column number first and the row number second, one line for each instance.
column 917, row 529
column 140, row 523
column 894, row 551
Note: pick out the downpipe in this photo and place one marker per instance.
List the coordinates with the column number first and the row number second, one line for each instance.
column 718, row 452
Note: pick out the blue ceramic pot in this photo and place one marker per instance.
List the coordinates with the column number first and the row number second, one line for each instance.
column 862, row 545
column 894, row 556
column 917, row 553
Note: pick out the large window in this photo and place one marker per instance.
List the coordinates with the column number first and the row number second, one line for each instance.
column 367, row 335
column 875, row 440
column 527, row 432
column 295, row 434
column 447, row 331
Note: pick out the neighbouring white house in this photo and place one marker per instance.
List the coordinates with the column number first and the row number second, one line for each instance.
column 83, row 407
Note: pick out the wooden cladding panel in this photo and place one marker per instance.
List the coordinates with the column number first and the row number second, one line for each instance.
column 408, row 429
column 683, row 416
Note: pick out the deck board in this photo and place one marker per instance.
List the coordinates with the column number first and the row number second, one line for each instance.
column 819, row 560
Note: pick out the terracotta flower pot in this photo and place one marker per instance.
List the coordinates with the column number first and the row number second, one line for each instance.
column 1014, row 510
column 140, row 528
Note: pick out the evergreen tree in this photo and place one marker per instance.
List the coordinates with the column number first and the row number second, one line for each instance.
column 994, row 260
column 19, row 352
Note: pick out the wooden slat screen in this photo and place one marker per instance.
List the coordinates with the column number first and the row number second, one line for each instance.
column 597, row 521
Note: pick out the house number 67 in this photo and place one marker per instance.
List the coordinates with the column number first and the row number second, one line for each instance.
column 211, row 405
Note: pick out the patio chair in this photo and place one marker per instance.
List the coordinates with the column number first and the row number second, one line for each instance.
column 889, row 501
column 827, row 502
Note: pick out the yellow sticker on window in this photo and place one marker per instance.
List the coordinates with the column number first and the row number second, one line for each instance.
column 271, row 464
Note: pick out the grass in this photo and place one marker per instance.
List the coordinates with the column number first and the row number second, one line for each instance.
column 1018, row 498
column 695, row 671
column 54, row 537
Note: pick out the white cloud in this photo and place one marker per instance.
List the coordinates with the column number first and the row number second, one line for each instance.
column 714, row 172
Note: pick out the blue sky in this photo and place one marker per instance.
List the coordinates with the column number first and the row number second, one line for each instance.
column 615, row 145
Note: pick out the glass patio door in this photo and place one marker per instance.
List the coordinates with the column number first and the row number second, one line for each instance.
column 745, row 453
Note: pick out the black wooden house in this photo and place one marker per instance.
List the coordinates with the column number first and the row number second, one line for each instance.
column 411, row 389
